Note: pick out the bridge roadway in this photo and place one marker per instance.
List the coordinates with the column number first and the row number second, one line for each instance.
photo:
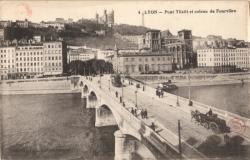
column 164, row 113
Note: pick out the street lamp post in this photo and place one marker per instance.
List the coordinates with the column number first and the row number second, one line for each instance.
column 189, row 90
column 136, row 98
column 122, row 89
column 109, row 84
column 177, row 102
column 100, row 84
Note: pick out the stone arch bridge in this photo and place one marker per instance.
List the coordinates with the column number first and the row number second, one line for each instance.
column 109, row 110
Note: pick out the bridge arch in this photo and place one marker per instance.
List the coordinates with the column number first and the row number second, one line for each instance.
column 92, row 100
column 85, row 89
column 81, row 84
column 127, row 141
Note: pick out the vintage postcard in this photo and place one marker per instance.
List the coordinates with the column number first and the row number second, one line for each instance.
column 124, row 80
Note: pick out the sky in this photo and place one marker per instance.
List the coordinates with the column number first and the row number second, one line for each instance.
column 228, row 25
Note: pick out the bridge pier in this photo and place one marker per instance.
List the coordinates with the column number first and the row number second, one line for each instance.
column 122, row 150
column 128, row 148
column 84, row 94
column 91, row 103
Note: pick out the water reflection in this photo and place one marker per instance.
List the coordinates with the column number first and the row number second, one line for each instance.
column 233, row 97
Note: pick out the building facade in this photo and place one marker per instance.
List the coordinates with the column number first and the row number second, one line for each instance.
column 56, row 25
column 153, row 40
column 104, row 54
column 2, row 34
column 29, row 61
column 81, row 54
column 180, row 46
column 5, row 24
column 238, row 57
column 140, row 61
column 22, row 24
column 8, row 62
column 53, row 58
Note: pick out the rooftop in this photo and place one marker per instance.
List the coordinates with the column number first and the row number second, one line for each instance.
column 153, row 30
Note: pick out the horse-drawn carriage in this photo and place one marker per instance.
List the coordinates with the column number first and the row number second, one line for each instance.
column 210, row 121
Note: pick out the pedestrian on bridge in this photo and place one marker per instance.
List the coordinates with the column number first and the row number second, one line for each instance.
column 162, row 93
column 116, row 94
column 142, row 113
column 120, row 99
column 153, row 126
column 145, row 113
column 133, row 111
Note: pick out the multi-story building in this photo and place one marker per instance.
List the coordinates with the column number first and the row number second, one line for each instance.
column 140, row 61
column 81, row 54
column 227, row 57
column 29, row 60
column 22, row 24
column 56, row 25
column 104, row 54
column 136, row 39
column 8, row 60
column 53, row 58
column 180, row 46
column 5, row 23
column 153, row 40
column 185, row 37
column 2, row 34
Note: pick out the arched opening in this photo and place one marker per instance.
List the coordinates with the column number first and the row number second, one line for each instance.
column 105, row 117
column 92, row 99
column 105, row 111
column 81, row 84
column 85, row 89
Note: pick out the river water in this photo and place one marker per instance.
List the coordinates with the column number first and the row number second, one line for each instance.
column 231, row 97
column 54, row 126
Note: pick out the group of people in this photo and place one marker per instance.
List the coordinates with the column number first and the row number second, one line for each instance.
column 159, row 93
column 144, row 113
column 134, row 111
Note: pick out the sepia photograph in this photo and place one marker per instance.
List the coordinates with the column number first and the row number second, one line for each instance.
column 124, row 80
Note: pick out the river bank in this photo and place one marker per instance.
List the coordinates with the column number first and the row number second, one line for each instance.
column 195, row 79
column 38, row 86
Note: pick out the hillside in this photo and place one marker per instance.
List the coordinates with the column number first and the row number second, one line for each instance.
column 107, row 42
column 125, row 29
